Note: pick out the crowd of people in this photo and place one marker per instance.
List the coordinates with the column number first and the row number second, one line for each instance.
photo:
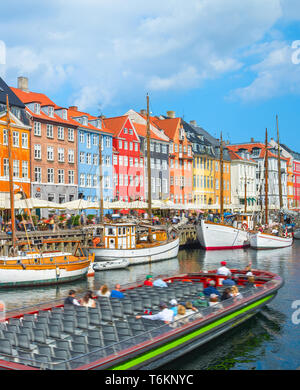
column 174, row 312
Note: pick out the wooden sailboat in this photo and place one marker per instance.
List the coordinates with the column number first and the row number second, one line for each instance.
column 219, row 236
column 120, row 242
column 261, row 240
column 27, row 266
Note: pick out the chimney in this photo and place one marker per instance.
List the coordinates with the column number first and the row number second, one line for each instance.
column 193, row 123
column 143, row 112
column 23, row 83
column 252, row 140
column 171, row 114
column 74, row 108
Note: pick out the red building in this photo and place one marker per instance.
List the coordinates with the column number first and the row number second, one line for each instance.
column 128, row 161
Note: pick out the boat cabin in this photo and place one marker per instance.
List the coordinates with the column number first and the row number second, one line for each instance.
column 119, row 236
column 243, row 221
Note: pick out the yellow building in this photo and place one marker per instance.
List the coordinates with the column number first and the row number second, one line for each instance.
column 203, row 180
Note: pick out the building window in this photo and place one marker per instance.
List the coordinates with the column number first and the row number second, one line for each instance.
column 88, row 141
column 50, row 153
column 130, row 131
column 115, row 160
column 71, row 135
column 107, row 161
column 95, row 181
column 60, row 133
column 120, row 144
column 89, row 180
column 125, row 161
column 71, row 156
column 16, row 138
column 16, row 168
column 37, row 152
column 89, row 158
column 125, row 145
column 50, row 175
column 130, row 146
column 131, row 162
column 65, row 114
column 61, row 155
column 164, row 149
column 107, row 142
column 82, row 180
column 61, row 198
column 36, row 108
column 95, row 159
column 24, row 140
column 157, row 148
column 37, row 174
column 81, row 137
column 5, row 137
column 71, row 177
column 37, row 130
column 51, row 111
column 81, row 157
column 25, row 169
column 50, row 131
column 61, row 176
column 51, row 197
column 125, row 130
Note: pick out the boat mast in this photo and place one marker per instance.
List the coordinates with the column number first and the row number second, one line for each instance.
column 245, row 191
column 221, row 181
column 10, row 173
column 279, row 172
column 100, row 178
column 266, row 179
column 149, row 169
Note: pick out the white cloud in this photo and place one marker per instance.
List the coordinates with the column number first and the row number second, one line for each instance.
column 107, row 50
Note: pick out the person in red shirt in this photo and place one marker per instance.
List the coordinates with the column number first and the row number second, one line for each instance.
column 148, row 281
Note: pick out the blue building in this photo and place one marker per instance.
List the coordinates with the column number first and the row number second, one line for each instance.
column 90, row 129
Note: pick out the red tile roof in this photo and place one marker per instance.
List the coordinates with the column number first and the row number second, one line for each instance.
column 251, row 146
column 74, row 113
column 169, row 126
column 115, row 124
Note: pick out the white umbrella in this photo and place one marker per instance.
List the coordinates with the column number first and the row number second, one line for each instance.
column 119, row 205
column 138, row 205
column 31, row 203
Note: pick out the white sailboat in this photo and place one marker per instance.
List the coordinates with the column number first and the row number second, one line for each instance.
column 219, row 236
column 120, row 242
column 261, row 240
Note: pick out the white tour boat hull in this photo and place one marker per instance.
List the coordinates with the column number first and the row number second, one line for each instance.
column 213, row 236
column 159, row 252
column 268, row 241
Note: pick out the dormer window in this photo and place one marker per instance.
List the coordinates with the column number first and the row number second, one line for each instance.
column 37, row 108
column 85, row 121
column 255, row 152
column 51, row 112
column 65, row 114
column 99, row 124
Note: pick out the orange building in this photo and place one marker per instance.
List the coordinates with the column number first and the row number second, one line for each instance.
column 20, row 137
column 180, row 159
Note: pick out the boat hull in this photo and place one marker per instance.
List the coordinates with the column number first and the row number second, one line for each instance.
column 214, row 236
column 297, row 234
column 113, row 264
column 268, row 241
column 165, row 251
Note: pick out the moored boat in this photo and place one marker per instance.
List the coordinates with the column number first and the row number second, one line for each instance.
column 110, row 336
column 113, row 264
column 218, row 236
column 269, row 241
column 121, row 241
column 297, row 234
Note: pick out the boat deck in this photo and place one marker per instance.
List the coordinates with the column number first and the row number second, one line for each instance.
column 76, row 337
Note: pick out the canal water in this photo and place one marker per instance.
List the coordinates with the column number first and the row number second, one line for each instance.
column 268, row 341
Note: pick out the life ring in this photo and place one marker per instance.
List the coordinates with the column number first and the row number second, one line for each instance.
column 96, row 241
column 245, row 226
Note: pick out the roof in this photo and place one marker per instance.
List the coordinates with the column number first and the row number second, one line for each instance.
column 13, row 99
column 169, row 126
column 142, row 131
column 254, row 145
column 295, row 155
column 74, row 113
column 30, row 97
column 115, row 124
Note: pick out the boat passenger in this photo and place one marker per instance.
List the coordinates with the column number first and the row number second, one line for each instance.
column 223, row 270
column 166, row 315
column 235, row 292
column 226, row 294
column 190, row 309
column 180, row 317
column 160, row 283
column 116, row 293
column 71, row 300
column 213, row 299
column 228, row 281
column 174, row 306
column 200, row 301
column 211, row 289
column 148, row 281
column 250, row 282
column 103, row 291
column 88, row 300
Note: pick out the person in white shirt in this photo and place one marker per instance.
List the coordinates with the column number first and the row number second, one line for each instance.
column 166, row 315
column 223, row 270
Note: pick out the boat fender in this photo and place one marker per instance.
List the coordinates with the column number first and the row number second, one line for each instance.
column 23, row 266
column 57, row 272
column 245, row 226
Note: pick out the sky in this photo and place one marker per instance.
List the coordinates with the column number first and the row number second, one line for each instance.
column 231, row 65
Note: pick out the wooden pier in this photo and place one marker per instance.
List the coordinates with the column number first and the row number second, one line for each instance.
column 65, row 240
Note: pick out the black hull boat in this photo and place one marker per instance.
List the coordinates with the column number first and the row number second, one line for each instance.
column 58, row 337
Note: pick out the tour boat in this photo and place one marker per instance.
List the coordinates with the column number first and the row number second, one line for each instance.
column 120, row 241
column 35, row 268
column 110, row 336
column 113, row 264
column 218, row 236
column 269, row 241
